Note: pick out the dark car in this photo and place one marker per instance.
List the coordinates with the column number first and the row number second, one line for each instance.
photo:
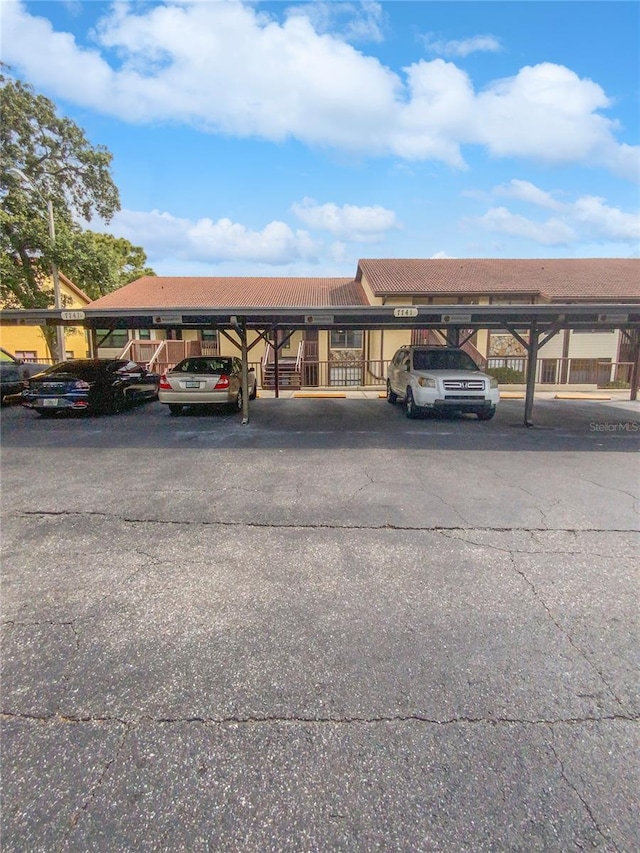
column 94, row 385
column 13, row 374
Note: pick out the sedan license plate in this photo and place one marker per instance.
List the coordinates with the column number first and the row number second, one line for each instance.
column 50, row 402
column 191, row 384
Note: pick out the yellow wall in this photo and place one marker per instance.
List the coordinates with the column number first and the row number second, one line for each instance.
column 19, row 338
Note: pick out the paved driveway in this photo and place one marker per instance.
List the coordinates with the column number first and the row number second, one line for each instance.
column 332, row 629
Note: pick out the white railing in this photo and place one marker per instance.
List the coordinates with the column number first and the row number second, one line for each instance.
column 268, row 356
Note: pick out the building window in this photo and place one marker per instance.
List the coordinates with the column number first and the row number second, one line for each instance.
column 346, row 339
column 112, row 339
column 144, row 334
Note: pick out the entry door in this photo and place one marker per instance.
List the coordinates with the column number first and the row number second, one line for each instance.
column 310, row 365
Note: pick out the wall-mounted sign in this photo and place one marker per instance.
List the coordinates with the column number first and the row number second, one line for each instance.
column 613, row 318
column 319, row 319
column 456, row 318
column 405, row 312
column 72, row 315
column 168, row 320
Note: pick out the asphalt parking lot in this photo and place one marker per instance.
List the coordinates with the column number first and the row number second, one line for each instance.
column 330, row 629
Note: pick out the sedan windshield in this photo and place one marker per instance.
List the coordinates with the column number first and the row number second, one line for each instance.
column 444, row 360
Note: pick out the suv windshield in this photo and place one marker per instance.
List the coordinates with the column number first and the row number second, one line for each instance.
column 447, row 359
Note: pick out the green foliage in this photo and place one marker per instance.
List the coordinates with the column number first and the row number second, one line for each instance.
column 60, row 164
column 100, row 263
column 617, row 383
column 506, row 375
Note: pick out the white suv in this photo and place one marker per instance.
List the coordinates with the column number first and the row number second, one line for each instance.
column 431, row 379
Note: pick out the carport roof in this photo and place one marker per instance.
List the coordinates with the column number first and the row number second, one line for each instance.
column 555, row 279
column 160, row 292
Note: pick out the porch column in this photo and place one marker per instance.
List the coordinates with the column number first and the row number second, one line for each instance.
column 93, row 343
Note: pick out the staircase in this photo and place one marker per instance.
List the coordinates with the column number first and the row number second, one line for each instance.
column 289, row 375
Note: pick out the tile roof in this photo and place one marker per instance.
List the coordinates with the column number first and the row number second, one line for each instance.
column 202, row 292
column 555, row 279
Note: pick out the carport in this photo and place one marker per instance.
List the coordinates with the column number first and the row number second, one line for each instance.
column 533, row 325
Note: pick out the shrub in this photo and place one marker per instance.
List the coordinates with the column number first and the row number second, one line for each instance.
column 617, row 383
column 506, row 375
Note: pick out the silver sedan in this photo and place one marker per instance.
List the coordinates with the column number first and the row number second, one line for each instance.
column 205, row 380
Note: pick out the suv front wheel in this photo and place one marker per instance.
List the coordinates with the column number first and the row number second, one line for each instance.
column 486, row 414
column 392, row 397
column 412, row 411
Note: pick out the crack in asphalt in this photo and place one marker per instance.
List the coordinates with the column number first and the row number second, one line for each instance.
column 320, row 525
column 93, row 792
column 248, row 720
column 540, row 598
column 503, row 549
column 585, row 804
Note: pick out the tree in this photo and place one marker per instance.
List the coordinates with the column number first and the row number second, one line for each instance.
column 100, row 263
column 60, row 164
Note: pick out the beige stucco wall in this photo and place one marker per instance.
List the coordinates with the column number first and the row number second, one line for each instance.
column 373, row 300
column 584, row 345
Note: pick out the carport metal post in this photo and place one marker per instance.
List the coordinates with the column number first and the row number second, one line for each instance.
column 276, row 369
column 245, row 371
column 634, row 337
column 453, row 336
column 532, row 363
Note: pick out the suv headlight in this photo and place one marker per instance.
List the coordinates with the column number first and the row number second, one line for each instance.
column 424, row 382
column 493, row 383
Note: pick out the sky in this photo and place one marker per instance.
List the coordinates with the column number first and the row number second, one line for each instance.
column 292, row 139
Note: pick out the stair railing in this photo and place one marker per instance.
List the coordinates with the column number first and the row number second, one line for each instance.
column 267, row 358
column 125, row 352
column 155, row 358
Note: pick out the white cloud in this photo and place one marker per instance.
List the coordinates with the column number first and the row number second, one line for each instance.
column 167, row 236
column 463, row 47
column 349, row 222
column 528, row 192
column 606, row 222
column 227, row 67
column 554, row 232
column 588, row 218
column 354, row 22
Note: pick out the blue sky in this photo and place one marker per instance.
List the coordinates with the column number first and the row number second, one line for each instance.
column 294, row 138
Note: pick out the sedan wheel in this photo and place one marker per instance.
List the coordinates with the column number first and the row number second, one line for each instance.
column 118, row 403
column 391, row 396
column 238, row 403
column 254, row 392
